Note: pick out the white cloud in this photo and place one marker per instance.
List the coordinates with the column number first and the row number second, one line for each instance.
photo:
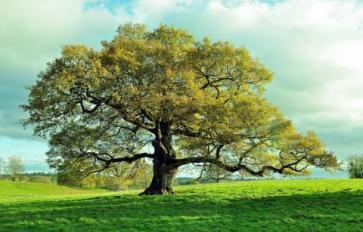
column 314, row 47
column 32, row 34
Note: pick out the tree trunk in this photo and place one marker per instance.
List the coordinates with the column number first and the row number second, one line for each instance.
column 162, row 181
column 164, row 170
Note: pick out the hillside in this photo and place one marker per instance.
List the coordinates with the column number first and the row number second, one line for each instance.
column 281, row 205
column 28, row 191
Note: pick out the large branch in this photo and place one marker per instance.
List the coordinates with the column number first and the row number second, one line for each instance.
column 137, row 119
column 212, row 83
column 187, row 132
column 240, row 166
column 132, row 158
column 133, row 119
column 108, row 159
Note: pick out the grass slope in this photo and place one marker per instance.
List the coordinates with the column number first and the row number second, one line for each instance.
column 294, row 205
column 27, row 191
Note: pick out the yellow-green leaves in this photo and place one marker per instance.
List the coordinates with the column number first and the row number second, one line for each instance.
column 209, row 96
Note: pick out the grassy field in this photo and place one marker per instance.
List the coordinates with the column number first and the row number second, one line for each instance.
column 282, row 205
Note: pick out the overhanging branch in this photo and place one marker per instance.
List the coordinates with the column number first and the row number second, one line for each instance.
column 108, row 158
column 240, row 166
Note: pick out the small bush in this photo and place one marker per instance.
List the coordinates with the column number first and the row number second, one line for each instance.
column 40, row 179
column 355, row 167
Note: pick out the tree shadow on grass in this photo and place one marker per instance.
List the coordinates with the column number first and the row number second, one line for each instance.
column 339, row 211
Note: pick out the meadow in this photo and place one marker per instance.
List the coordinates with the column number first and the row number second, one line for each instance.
column 270, row 205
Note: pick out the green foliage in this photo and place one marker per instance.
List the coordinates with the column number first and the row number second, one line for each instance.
column 21, row 191
column 15, row 166
column 41, row 179
column 192, row 101
column 281, row 205
column 116, row 177
column 38, row 177
column 212, row 173
column 355, row 167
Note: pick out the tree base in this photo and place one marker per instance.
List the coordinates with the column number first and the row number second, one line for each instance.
column 157, row 191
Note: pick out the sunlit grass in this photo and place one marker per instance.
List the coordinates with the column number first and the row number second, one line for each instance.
column 294, row 205
column 27, row 191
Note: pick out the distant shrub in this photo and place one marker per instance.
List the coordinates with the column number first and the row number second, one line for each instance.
column 115, row 178
column 68, row 179
column 40, row 179
column 15, row 167
column 355, row 167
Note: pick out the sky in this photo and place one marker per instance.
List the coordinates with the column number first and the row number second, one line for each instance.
column 313, row 47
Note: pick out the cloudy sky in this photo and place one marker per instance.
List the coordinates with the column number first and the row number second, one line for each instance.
column 314, row 48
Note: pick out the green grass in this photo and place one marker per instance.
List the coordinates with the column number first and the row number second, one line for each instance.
column 281, row 205
column 28, row 192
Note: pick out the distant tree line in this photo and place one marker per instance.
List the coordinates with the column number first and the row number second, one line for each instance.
column 119, row 177
column 12, row 167
column 116, row 178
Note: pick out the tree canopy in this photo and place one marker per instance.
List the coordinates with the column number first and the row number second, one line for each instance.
column 355, row 167
column 164, row 96
column 15, row 166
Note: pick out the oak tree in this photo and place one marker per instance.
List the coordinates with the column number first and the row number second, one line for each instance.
column 164, row 96
column 15, row 166
column 2, row 166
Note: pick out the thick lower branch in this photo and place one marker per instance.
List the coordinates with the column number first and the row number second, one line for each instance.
column 111, row 159
column 132, row 158
column 239, row 166
column 106, row 162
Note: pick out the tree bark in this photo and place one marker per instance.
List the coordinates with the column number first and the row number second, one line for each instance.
column 163, row 159
column 162, row 181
